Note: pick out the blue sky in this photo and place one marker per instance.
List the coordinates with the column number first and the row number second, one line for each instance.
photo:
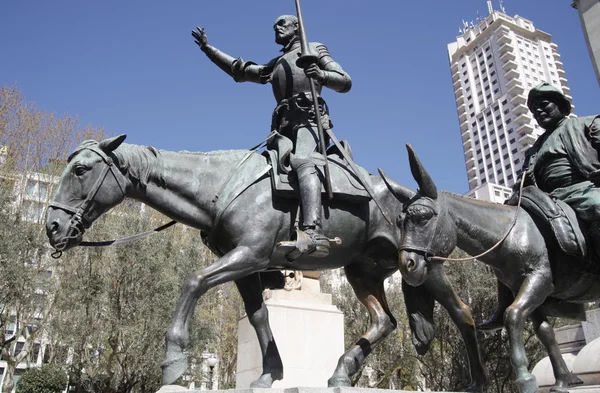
column 132, row 67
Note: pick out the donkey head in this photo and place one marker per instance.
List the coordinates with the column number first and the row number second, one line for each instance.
column 90, row 185
column 426, row 229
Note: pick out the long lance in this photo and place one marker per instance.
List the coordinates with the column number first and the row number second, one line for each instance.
column 306, row 59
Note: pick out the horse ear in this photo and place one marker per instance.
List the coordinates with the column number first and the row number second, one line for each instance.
column 426, row 184
column 403, row 194
column 111, row 144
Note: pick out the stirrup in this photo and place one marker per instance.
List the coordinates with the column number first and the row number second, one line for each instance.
column 308, row 242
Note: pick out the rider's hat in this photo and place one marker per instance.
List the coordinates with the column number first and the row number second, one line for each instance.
column 546, row 90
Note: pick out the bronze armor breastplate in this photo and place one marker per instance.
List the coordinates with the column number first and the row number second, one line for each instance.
column 288, row 79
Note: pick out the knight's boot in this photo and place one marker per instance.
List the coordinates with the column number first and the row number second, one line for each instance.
column 594, row 236
column 310, row 200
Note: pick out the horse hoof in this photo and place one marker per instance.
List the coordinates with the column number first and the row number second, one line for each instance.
column 264, row 382
column 339, row 382
column 574, row 380
column 173, row 368
column 527, row 384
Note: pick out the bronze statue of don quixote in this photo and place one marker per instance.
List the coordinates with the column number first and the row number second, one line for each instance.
column 301, row 204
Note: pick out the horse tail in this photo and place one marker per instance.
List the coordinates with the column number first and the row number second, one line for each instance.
column 419, row 306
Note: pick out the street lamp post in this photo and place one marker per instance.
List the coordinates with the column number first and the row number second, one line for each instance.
column 212, row 362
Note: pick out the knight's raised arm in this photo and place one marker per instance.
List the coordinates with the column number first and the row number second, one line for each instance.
column 238, row 69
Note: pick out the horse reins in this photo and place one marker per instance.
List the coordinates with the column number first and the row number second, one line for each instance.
column 78, row 213
column 443, row 259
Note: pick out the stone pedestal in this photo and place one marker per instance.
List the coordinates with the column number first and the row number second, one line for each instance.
column 308, row 330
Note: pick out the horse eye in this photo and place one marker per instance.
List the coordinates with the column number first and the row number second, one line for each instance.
column 80, row 170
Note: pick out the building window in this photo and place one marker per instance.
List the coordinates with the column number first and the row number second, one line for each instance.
column 497, row 161
column 510, row 131
column 512, row 141
column 508, row 121
column 502, row 136
column 492, row 73
column 517, row 161
column 480, row 161
column 514, row 151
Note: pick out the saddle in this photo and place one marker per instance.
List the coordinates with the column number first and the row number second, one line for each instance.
column 344, row 182
column 557, row 218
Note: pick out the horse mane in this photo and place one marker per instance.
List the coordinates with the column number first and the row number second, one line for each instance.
column 141, row 163
column 213, row 153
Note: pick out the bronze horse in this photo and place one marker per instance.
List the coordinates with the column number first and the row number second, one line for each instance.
column 244, row 232
column 433, row 224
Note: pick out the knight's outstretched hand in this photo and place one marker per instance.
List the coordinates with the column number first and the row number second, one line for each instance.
column 200, row 37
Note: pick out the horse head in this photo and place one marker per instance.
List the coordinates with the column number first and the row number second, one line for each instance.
column 90, row 185
column 426, row 229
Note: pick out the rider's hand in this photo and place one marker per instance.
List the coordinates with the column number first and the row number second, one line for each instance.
column 313, row 71
column 200, row 37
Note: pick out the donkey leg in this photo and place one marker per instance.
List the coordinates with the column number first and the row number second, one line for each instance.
column 368, row 287
column 534, row 290
column 234, row 265
column 545, row 332
column 250, row 289
column 441, row 289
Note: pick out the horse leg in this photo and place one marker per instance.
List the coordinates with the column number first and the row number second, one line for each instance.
column 441, row 289
column 250, row 289
column 368, row 287
column 534, row 290
column 545, row 332
column 236, row 264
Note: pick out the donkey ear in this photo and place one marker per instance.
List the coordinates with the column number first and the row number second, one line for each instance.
column 403, row 194
column 111, row 144
column 426, row 184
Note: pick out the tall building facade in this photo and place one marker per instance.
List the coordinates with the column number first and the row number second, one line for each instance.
column 494, row 64
column 589, row 14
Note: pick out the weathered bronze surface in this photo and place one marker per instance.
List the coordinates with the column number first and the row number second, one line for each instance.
column 532, row 276
column 246, row 222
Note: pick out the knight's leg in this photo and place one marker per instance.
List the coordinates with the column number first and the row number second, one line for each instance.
column 309, row 185
column 368, row 287
column 545, row 332
column 234, row 265
column 250, row 289
column 441, row 288
column 534, row 290
column 496, row 322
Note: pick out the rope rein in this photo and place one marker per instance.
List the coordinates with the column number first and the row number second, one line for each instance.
column 434, row 258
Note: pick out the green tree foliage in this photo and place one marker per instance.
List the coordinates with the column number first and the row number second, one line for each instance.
column 104, row 311
column 31, row 140
column 47, row 379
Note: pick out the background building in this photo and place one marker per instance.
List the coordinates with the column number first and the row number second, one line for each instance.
column 589, row 14
column 494, row 64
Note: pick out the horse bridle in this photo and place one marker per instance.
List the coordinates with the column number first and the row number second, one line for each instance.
column 426, row 251
column 430, row 256
column 78, row 219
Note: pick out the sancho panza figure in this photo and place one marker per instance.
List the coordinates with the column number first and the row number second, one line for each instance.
column 562, row 162
column 294, row 116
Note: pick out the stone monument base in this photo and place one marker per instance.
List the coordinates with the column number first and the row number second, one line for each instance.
column 308, row 330
column 179, row 389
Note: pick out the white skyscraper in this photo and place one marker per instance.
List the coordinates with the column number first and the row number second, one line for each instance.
column 494, row 64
